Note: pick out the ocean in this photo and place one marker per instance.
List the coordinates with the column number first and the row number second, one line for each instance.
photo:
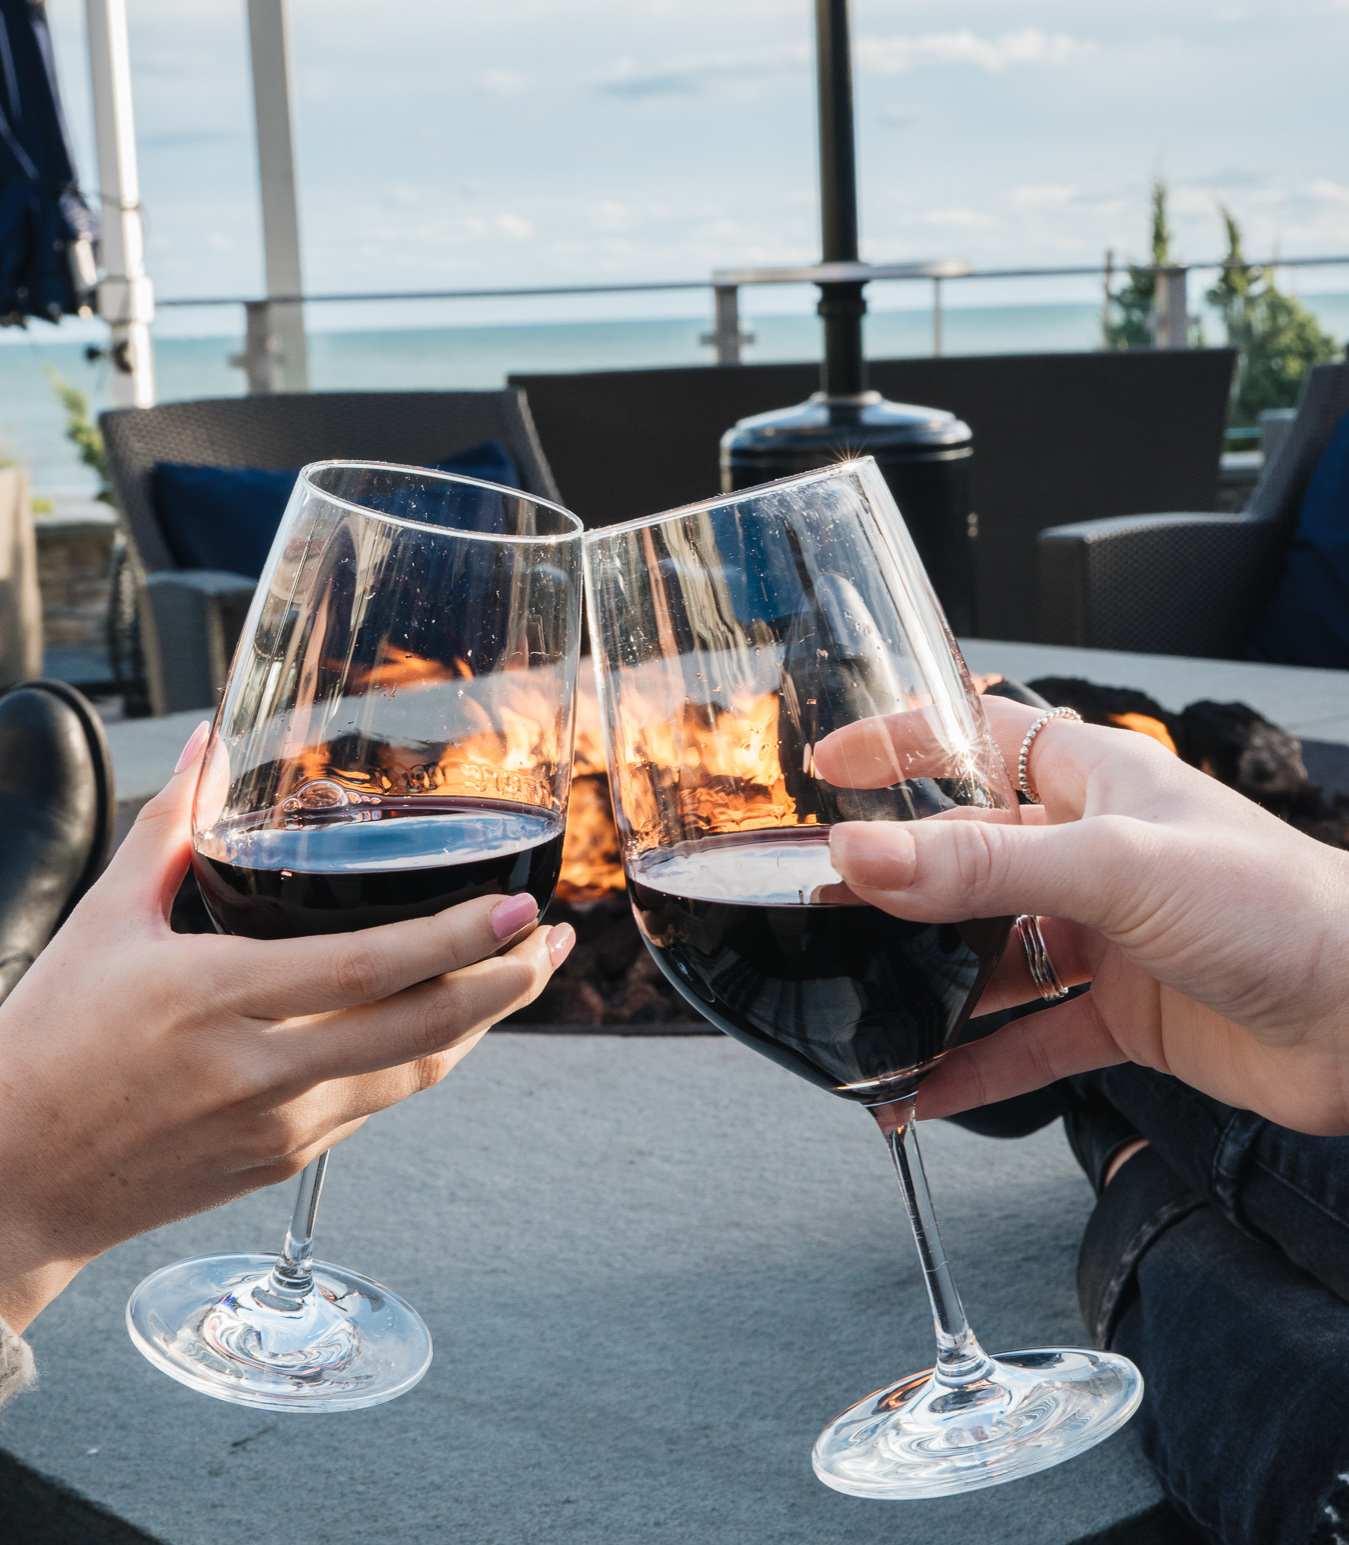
column 32, row 423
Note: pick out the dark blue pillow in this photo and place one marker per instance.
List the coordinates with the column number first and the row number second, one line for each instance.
column 220, row 517
column 1306, row 620
column 226, row 517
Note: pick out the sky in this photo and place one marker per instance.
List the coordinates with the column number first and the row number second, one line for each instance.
column 443, row 143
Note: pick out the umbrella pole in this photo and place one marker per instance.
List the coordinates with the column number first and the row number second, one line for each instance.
column 126, row 299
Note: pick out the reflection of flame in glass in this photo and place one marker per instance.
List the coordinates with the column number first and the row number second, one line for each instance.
column 510, row 752
column 722, row 768
column 397, row 669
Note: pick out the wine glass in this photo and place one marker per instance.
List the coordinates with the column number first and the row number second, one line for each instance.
column 729, row 638
column 395, row 737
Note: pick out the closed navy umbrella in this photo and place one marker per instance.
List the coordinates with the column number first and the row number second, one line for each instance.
column 47, row 230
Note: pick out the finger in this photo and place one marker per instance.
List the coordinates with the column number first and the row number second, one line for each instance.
column 350, row 1100
column 147, row 869
column 1069, row 947
column 944, row 871
column 284, row 978
column 1028, row 1054
column 874, row 753
column 422, row 1022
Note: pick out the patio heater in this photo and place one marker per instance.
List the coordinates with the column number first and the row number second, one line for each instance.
column 923, row 452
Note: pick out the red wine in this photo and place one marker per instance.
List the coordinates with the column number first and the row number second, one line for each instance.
column 849, row 997
column 335, row 866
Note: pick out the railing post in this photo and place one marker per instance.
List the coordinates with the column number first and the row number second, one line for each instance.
column 1171, row 309
column 267, row 32
column 936, row 316
column 726, row 336
column 261, row 357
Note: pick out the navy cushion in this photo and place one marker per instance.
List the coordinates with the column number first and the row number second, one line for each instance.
column 1306, row 620
column 226, row 517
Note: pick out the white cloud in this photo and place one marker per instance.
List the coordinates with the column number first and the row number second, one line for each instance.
column 704, row 75
column 504, row 83
column 965, row 219
column 722, row 74
column 1331, row 192
column 1043, row 196
column 896, row 55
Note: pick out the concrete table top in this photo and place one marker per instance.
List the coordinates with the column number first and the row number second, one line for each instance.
column 1302, row 699
column 653, row 1270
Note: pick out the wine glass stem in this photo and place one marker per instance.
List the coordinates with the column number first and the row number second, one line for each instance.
column 960, row 1358
column 292, row 1276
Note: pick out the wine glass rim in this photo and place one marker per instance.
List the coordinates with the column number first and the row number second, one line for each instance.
column 818, row 475
column 577, row 530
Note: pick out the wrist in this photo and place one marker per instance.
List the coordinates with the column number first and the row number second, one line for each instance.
column 31, row 1275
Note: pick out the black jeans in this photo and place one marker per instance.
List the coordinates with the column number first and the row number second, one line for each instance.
column 1218, row 1260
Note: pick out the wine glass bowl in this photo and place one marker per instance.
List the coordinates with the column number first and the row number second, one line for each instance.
column 741, row 647
column 394, row 738
column 730, row 639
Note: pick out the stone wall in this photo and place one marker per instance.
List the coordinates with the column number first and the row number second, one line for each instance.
column 74, row 552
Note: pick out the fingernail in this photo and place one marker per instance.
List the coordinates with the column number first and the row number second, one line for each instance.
column 877, row 855
column 195, row 741
column 561, row 937
column 513, row 914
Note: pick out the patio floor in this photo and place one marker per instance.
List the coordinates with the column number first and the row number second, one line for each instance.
column 653, row 1270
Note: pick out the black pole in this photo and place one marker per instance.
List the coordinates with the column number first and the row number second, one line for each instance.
column 842, row 306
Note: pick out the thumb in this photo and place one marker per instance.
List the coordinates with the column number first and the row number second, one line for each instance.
column 148, row 868
column 942, row 871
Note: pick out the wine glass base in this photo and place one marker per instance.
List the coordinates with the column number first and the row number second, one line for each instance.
column 922, row 1439
column 211, row 1324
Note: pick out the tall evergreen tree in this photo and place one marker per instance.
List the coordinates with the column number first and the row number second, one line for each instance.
column 1277, row 339
column 1128, row 323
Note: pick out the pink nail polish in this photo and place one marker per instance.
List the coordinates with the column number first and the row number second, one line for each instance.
column 560, row 940
column 195, row 741
column 513, row 914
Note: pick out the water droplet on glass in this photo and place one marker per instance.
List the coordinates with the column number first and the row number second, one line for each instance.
column 322, row 794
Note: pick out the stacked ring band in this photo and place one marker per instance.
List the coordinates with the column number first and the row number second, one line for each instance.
column 1042, row 971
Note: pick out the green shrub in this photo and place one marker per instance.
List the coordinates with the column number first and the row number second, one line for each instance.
column 1277, row 339
column 82, row 432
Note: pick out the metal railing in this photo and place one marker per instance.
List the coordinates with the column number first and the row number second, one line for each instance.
column 1171, row 315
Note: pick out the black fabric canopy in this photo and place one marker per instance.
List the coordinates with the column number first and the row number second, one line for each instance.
column 46, row 228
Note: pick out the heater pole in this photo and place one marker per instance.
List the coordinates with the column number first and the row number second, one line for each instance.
column 842, row 306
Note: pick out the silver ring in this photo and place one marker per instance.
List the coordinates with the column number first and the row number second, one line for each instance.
column 1042, row 971
column 1023, row 760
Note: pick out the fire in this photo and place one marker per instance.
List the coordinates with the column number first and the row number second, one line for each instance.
column 719, row 768
column 592, row 865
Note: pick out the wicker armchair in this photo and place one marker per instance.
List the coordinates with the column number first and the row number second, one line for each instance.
column 173, row 644
column 1186, row 584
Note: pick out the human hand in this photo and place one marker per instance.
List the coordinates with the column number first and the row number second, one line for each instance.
column 147, row 1075
column 1214, row 936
